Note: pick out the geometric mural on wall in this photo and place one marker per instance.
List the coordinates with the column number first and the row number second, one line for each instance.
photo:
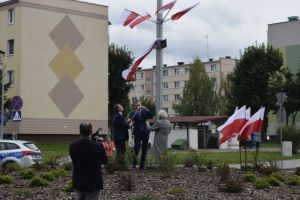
column 66, row 65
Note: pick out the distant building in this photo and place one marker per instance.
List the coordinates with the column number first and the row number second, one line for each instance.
column 57, row 61
column 174, row 79
column 286, row 37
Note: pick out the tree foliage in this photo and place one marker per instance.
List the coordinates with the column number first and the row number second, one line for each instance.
column 198, row 94
column 7, row 101
column 120, row 58
column 150, row 105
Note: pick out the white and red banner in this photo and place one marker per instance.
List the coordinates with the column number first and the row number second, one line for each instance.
column 127, row 74
column 254, row 124
column 166, row 7
column 140, row 20
column 233, row 125
column 179, row 14
column 127, row 17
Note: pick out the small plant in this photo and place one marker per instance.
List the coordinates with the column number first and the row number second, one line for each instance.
column 247, row 168
column 47, row 176
column 5, row 179
column 210, row 165
column 199, row 159
column 143, row 198
column 231, row 185
column 178, row 192
column 114, row 165
column 27, row 173
column 293, row 180
column 53, row 162
column 59, row 173
column 69, row 187
column 126, row 182
column 38, row 182
column 268, row 170
column 249, row 177
column 68, row 166
column 27, row 194
column 297, row 171
column 278, row 176
column 167, row 164
column 10, row 167
column 223, row 171
column 262, row 184
column 188, row 161
column 273, row 181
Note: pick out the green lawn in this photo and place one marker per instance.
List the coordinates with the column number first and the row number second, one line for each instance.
column 53, row 150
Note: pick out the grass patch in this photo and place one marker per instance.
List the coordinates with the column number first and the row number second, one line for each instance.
column 53, row 150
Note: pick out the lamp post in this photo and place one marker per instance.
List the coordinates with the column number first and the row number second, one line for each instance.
column 2, row 53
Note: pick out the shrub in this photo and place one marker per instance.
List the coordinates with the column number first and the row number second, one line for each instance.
column 261, row 184
column 38, row 182
column 199, row 160
column 53, row 162
column 231, row 185
column 297, row 171
column 188, row 162
column 114, row 165
column 47, row 176
column 10, row 166
column 68, row 166
column 293, row 180
column 5, row 179
column 126, row 182
column 291, row 133
column 223, row 171
column 178, row 192
column 69, row 187
column 39, row 166
column 278, row 176
column 166, row 164
column 27, row 173
column 268, row 170
column 249, row 177
column 273, row 181
column 59, row 173
column 210, row 165
column 27, row 194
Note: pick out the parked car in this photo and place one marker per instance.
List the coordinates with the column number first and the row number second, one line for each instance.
column 24, row 153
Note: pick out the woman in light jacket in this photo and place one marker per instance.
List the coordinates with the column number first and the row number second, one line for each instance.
column 162, row 128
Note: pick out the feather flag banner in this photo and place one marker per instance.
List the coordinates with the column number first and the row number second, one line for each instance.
column 166, row 7
column 127, row 17
column 127, row 74
column 178, row 15
column 139, row 20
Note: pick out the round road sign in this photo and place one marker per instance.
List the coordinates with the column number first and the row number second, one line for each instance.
column 17, row 103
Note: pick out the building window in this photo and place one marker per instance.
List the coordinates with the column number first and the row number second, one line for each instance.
column 133, row 88
column 165, row 97
column 148, row 80
column 142, row 75
column 176, row 72
column 165, row 72
column 166, row 109
column 186, row 70
column 148, row 93
column 142, row 87
column 134, row 100
column 213, row 68
column 165, row 84
column 10, row 75
column 185, row 83
column 177, row 97
column 11, row 16
column 176, row 84
column 11, row 47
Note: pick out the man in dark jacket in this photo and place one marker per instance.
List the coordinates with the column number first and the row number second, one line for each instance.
column 120, row 131
column 87, row 157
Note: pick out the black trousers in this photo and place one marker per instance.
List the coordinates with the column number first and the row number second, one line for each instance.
column 140, row 140
column 121, row 149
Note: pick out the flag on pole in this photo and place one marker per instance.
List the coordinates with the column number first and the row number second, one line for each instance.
column 233, row 125
column 127, row 74
column 254, row 124
column 178, row 15
column 127, row 17
column 168, row 6
column 139, row 20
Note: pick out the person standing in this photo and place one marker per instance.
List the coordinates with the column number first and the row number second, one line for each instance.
column 162, row 128
column 120, row 131
column 141, row 133
column 87, row 157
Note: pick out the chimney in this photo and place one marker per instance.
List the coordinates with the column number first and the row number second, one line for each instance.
column 211, row 59
column 293, row 18
column 228, row 57
column 165, row 65
column 180, row 63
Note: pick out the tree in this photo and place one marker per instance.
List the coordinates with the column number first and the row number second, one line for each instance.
column 7, row 101
column 150, row 105
column 120, row 58
column 198, row 94
column 250, row 79
column 223, row 103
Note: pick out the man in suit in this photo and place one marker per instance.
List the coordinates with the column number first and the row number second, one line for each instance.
column 87, row 157
column 140, row 132
column 120, row 131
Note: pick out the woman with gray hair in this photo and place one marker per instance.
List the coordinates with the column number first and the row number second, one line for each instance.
column 162, row 128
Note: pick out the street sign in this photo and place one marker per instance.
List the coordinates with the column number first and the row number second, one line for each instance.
column 17, row 115
column 281, row 97
column 281, row 115
column 4, row 118
column 17, row 103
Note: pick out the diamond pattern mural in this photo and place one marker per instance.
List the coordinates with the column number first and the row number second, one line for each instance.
column 66, row 95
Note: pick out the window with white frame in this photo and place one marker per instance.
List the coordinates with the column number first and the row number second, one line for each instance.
column 142, row 87
column 165, row 97
column 165, row 72
column 177, row 97
column 176, row 72
column 176, row 84
column 186, row 70
column 148, row 93
column 213, row 68
column 10, row 75
column 142, row 75
column 11, row 47
column 11, row 16
column 148, row 80
column 165, row 84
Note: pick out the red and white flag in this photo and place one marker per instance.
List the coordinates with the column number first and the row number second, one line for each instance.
column 254, row 124
column 140, row 20
column 233, row 125
column 127, row 17
column 178, row 15
column 127, row 74
column 168, row 6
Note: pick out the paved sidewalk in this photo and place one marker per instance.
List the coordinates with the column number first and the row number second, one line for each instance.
column 286, row 164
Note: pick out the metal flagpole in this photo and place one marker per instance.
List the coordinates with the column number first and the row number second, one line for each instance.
column 159, row 58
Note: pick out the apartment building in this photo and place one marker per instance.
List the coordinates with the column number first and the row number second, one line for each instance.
column 174, row 79
column 285, row 36
column 57, row 62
